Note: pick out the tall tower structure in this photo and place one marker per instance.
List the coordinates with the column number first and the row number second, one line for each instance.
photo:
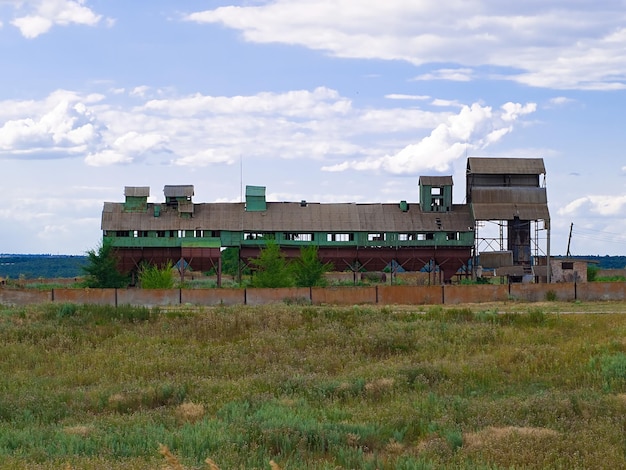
column 509, row 194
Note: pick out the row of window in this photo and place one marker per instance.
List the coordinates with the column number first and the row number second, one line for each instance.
column 347, row 237
column 291, row 236
column 168, row 233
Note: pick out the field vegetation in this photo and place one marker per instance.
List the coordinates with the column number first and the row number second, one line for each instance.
column 490, row 386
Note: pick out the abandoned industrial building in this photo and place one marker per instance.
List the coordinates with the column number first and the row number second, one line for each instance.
column 433, row 234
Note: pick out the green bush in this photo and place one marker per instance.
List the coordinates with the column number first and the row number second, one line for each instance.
column 156, row 277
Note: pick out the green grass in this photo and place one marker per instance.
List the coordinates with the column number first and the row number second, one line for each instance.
column 495, row 386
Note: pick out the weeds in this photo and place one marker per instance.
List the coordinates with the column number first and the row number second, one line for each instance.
column 314, row 387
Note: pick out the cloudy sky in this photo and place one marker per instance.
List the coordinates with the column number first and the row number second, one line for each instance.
column 323, row 100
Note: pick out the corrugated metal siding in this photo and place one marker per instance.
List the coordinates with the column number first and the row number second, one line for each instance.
column 509, row 195
column 291, row 217
column 178, row 191
column 510, row 211
column 496, row 259
column 508, row 203
column 137, row 191
column 511, row 166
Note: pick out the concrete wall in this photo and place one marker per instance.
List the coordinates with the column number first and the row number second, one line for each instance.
column 382, row 295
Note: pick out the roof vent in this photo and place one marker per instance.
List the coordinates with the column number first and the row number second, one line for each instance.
column 255, row 199
column 404, row 206
column 303, row 203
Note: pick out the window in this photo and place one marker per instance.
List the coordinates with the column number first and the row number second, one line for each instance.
column 122, row 233
column 567, row 265
column 299, row 237
column 160, row 233
column 374, row 237
column 198, row 233
column 452, row 236
column 406, row 236
column 435, row 191
column 258, row 236
column 340, row 237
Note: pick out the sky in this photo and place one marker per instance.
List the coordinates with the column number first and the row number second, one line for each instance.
column 317, row 100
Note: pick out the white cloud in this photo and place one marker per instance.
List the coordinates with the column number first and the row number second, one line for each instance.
column 598, row 204
column 42, row 15
column 474, row 127
column 555, row 44
column 560, row 101
column 60, row 125
column 446, row 103
column 454, row 75
column 399, row 96
column 198, row 130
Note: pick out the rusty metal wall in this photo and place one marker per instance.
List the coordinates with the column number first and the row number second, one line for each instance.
column 475, row 294
column 85, row 296
column 148, row 297
column 564, row 291
column 262, row 296
column 22, row 297
column 343, row 295
column 213, row 296
column 410, row 295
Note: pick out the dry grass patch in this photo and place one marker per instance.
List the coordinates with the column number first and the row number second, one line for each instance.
column 78, row 430
column 513, row 446
column 488, row 436
column 379, row 387
column 189, row 412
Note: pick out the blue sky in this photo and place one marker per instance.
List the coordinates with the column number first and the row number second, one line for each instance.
column 323, row 100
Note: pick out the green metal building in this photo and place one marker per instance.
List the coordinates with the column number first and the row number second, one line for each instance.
column 431, row 234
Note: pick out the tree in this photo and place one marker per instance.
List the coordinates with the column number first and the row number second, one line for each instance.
column 308, row 269
column 272, row 269
column 231, row 262
column 101, row 268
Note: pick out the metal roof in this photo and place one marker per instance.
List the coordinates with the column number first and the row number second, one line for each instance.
column 185, row 190
column 435, row 181
column 137, row 191
column 507, row 203
column 505, row 166
column 292, row 217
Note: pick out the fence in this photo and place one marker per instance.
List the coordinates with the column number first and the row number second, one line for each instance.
column 378, row 295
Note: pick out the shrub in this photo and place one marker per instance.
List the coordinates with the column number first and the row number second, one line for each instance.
column 101, row 269
column 156, row 277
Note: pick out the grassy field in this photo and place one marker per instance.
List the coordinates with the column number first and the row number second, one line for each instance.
column 492, row 386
